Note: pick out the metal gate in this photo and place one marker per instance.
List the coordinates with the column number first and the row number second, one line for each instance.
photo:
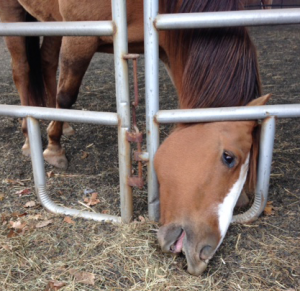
column 153, row 22
column 118, row 29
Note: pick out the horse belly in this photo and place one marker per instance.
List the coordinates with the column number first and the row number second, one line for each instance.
column 11, row 11
column 42, row 10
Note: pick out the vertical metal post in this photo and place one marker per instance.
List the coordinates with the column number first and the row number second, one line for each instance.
column 123, row 105
column 36, row 150
column 152, row 101
column 34, row 134
column 265, row 160
column 263, row 174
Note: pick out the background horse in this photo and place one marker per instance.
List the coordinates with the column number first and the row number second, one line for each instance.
column 210, row 68
column 33, row 68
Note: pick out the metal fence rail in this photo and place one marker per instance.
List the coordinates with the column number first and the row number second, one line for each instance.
column 37, row 159
column 227, row 113
column 153, row 23
column 69, row 115
column 224, row 19
column 118, row 29
column 71, row 28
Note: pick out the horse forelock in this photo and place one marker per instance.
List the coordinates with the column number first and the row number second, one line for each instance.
column 219, row 65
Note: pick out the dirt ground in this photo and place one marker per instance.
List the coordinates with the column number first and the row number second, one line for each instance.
column 87, row 255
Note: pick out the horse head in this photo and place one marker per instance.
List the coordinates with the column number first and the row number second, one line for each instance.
column 202, row 169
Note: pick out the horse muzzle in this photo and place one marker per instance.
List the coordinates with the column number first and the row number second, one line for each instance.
column 198, row 247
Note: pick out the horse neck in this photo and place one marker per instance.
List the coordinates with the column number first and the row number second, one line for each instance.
column 173, row 64
column 211, row 67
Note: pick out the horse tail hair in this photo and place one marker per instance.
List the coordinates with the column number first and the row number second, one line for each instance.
column 37, row 92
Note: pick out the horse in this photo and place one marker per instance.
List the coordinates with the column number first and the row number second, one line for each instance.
column 201, row 168
column 33, row 68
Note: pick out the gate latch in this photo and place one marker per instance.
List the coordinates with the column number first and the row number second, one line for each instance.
column 136, row 136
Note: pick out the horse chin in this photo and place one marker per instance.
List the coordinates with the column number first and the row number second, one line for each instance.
column 196, row 264
column 197, row 269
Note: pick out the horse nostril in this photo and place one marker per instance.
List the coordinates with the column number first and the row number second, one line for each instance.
column 205, row 253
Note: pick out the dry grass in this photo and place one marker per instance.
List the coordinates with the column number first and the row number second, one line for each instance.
column 262, row 256
column 127, row 257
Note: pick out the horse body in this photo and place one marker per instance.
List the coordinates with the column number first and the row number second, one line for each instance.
column 201, row 168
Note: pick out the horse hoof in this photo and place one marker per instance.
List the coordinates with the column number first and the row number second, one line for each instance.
column 68, row 129
column 56, row 158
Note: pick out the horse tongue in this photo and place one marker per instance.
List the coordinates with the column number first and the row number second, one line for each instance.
column 179, row 243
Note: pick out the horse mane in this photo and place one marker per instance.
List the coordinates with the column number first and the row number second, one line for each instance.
column 220, row 66
column 251, row 181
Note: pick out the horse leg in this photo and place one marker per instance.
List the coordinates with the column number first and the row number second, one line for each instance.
column 12, row 11
column 50, row 55
column 20, row 72
column 76, row 54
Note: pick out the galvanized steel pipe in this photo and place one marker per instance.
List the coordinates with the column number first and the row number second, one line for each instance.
column 227, row 113
column 70, row 28
column 37, row 160
column 118, row 27
column 123, row 106
column 68, row 115
column 152, row 101
column 227, row 18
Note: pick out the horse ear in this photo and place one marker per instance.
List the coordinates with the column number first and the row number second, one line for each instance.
column 260, row 101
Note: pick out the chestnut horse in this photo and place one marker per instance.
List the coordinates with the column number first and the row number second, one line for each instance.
column 33, row 68
column 201, row 168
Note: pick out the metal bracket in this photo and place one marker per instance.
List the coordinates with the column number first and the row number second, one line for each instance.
column 135, row 136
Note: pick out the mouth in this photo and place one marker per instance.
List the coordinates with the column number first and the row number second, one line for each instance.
column 177, row 246
column 198, row 251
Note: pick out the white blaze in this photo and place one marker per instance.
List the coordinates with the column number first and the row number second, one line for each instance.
column 225, row 210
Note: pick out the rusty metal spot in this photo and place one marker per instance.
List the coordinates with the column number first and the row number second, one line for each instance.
column 136, row 181
column 134, row 136
column 131, row 56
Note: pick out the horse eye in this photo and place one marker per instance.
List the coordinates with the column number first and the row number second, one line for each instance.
column 228, row 159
